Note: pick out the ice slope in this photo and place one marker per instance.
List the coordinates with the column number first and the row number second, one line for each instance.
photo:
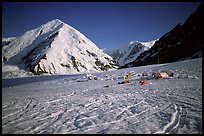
column 130, row 52
column 56, row 48
column 73, row 104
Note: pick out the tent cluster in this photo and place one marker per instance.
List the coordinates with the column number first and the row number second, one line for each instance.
column 159, row 75
column 154, row 75
column 130, row 76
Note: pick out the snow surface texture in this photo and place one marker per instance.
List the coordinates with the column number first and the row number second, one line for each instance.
column 130, row 52
column 76, row 104
column 56, row 48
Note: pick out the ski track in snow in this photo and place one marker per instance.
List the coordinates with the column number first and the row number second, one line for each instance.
column 66, row 106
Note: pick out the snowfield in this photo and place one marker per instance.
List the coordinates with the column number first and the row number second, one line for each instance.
column 87, row 104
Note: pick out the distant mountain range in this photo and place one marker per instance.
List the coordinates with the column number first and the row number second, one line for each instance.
column 55, row 48
column 182, row 42
column 58, row 48
column 130, row 52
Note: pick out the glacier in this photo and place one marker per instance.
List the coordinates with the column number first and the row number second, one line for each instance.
column 69, row 104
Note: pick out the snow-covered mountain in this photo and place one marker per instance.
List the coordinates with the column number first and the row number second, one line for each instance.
column 131, row 51
column 56, row 48
column 184, row 41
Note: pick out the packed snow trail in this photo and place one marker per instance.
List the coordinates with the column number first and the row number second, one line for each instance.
column 74, row 105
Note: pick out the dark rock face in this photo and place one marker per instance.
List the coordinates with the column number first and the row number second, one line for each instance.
column 74, row 63
column 181, row 42
column 32, row 58
column 4, row 43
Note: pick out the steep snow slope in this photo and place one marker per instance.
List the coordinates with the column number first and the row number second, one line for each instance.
column 130, row 52
column 75, row 104
column 56, row 48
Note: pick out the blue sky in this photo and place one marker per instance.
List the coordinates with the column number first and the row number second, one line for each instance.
column 108, row 24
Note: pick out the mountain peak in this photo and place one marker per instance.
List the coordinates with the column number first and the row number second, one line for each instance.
column 130, row 51
column 56, row 48
column 57, row 20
